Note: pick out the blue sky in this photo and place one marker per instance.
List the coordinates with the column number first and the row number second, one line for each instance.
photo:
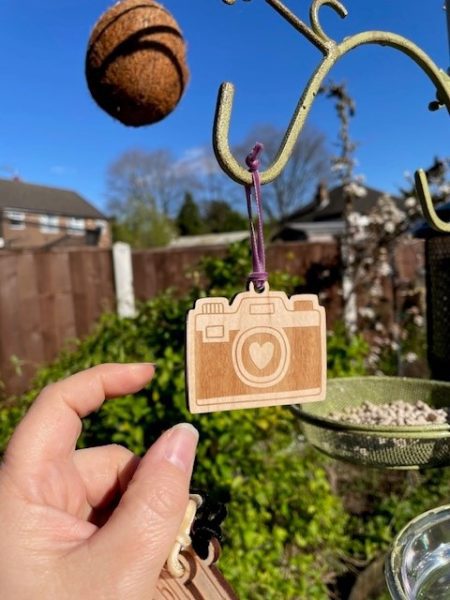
column 51, row 131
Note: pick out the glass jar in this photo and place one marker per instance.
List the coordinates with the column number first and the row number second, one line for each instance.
column 418, row 566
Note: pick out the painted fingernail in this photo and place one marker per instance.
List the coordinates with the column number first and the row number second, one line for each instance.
column 181, row 442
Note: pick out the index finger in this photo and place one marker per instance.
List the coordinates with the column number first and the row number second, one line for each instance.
column 52, row 425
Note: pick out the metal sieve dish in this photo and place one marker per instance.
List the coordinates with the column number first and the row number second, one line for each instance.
column 388, row 447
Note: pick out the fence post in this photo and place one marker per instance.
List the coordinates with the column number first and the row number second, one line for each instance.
column 123, row 278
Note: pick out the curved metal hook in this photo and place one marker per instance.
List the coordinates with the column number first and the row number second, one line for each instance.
column 314, row 15
column 423, row 192
column 332, row 53
column 226, row 95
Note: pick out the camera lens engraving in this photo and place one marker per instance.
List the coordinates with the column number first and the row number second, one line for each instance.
column 261, row 356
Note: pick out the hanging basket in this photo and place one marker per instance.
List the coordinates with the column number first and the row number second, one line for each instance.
column 383, row 446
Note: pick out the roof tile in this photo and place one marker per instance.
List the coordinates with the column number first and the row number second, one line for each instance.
column 29, row 197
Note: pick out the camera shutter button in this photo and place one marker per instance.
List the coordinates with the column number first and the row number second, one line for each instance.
column 303, row 305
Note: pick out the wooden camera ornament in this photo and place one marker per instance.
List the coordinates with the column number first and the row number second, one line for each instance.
column 263, row 348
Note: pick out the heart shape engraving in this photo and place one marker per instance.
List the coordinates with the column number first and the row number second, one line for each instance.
column 261, row 354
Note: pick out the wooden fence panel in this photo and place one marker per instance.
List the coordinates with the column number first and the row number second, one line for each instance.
column 77, row 276
column 92, row 286
column 10, row 326
column 46, row 299
column 50, row 297
column 144, row 276
column 31, row 328
column 156, row 270
column 54, row 300
column 298, row 257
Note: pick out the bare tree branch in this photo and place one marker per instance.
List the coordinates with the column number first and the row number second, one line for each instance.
column 308, row 165
column 152, row 178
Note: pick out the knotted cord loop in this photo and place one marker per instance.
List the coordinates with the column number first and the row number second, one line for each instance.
column 258, row 276
column 183, row 539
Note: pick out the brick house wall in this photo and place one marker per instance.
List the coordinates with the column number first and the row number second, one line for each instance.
column 24, row 229
column 39, row 216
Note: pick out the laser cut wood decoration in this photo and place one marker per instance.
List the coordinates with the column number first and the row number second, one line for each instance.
column 201, row 580
column 263, row 349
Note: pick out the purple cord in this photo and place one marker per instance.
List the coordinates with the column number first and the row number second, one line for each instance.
column 259, row 275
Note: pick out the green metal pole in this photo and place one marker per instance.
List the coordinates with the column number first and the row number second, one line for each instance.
column 447, row 10
column 332, row 52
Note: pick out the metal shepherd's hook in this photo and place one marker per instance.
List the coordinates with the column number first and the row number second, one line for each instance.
column 332, row 52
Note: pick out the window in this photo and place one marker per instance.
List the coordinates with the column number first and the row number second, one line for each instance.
column 100, row 224
column 76, row 226
column 16, row 219
column 49, row 224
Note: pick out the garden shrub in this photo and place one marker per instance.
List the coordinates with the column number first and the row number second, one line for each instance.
column 284, row 526
column 286, row 532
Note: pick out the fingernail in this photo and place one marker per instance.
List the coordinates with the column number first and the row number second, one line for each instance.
column 181, row 442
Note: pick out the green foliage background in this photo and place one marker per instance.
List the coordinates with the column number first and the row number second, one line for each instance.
column 288, row 532
column 143, row 226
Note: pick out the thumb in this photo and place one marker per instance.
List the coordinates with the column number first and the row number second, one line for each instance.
column 135, row 542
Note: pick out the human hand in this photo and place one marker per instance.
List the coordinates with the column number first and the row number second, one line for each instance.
column 92, row 523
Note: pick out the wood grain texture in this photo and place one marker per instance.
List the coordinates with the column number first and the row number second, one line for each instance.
column 263, row 349
column 47, row 298
column 10, row 341
column 202, row 580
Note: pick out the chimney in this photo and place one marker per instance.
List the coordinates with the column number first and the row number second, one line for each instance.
column 322, row 195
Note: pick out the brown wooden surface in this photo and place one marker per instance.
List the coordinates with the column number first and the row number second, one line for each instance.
column 47, row 299
column 263, row 349
column 202, row 580
column 50, row 297
column 157, row 269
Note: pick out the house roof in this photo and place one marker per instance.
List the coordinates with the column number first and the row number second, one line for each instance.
column 330, row 206
column 17, row 195
column 312, row 230
column 209, row 239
